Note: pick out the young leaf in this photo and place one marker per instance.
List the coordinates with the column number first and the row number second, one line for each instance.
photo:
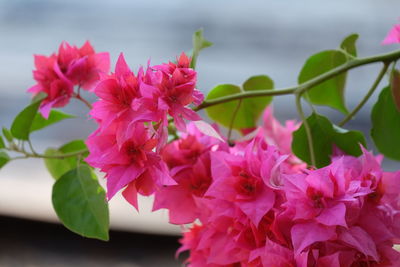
column 2, row 144
column 4, row 158
column 199, row 43
column 395, row 88
column 349, row 44
column 80, row 203
column 250, row 108
column 386, row 125
column 58, row 167
column 325, row 135
column 331, row 92
column 7, row 134
column 21, row 125
column 55, row 116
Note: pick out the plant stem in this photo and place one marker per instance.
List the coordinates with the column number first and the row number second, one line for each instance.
column 367, row 96
column 351, row 64
column 36, row 155
column 87, row 103
column 233, row 119
column 307, row 128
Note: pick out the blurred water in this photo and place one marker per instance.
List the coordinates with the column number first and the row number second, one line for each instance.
column 250, row 37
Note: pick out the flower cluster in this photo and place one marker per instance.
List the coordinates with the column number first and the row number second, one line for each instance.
column 263, row 208
column 56, row 75
column 251, row 202
column 132, row 113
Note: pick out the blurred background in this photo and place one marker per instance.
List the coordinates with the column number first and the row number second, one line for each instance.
column 250, row 37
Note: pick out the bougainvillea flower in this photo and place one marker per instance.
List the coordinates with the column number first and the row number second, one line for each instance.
column 57, row 74
column 393, row 36
column 134, row 160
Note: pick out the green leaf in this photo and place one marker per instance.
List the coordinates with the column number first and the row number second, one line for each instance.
column 21, row 126
column 395, row 88
column 7, row 134
column 58, row 167
column 324, row 136
column 2, row 144
column 4, row 158
column 250, row 108
column 55, row 116
column 331, row 92
column 321, row 132
column 386, row 125
column 349, row 141
column 80, row 203
column 199, row 43
column 349, row 44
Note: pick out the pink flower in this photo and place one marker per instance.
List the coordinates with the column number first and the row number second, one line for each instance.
column 132, row 164
column 56, row 75
column 393, row 36
column 171, row 88
column 189, row 162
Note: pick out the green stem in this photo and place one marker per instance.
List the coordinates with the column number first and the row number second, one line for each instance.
column 353, row 63
column 307, row 128
column 367, row 96
column 36, row 155
column 233, row 120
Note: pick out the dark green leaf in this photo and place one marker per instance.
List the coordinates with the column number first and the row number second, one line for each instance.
column 395, row 88
column 199, row 43
column 58, row 167
column 349, row 141
column 331, row 92
column 80, row 203
column 7, row 134
column 325, row 135
column 349, row 44
column 2, row 145
column 386, row 125
column 4, row 158
column 21, row 126
column 321, row 132
column 250, row 108
column 55, row 116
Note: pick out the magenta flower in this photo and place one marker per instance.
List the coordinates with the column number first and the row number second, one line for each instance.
column 57, row 74
column 393, row 37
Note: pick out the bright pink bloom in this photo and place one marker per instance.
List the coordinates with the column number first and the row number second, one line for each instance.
column 189, row 162
column 56, row 75
column 171, row 88
column 393, row 36
column 133, row 163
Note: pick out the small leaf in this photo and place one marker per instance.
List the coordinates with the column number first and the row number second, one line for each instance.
column 331, row 92
column 386, row 125
column 208, row 130
column 55, row 116
column 349, row 44
column 321, row 132
column 325, row 135
column 7, row 134
column 80, row 203
column 4, row 158
column 250, row 108
column 199, row 43
column 258, row 104
column 58, row 167
column 2, row 144
column 21, row 126
column 395, row 88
